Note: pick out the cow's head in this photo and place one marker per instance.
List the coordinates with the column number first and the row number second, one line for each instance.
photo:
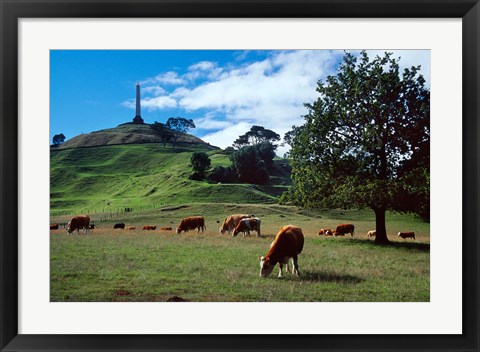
column 266, row 267
column 179, row 230
column 221, row 230
column 69, row 230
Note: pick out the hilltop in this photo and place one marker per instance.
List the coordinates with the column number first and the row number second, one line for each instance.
column 128, row 133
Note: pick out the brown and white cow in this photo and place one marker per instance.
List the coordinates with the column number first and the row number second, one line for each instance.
column 246, row 225
column 166, row 229
column 130, row 227
column 405, row 235
column 325, row 232
column 77, row 223
column 371, row 233
column 192, row 223
column 343, row 229
column 231, row 222
column 287, row 244
column 149, row 227
column 53, row 226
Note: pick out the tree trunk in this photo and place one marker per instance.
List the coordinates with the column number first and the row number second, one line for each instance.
column 381, row 237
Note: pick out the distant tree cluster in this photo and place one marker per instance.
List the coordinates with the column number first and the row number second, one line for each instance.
column 58, row 139
column 251, row 156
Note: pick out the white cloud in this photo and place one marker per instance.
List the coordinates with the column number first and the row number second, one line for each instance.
column 209, row 122
column 241, row 55
column 170, row 77
column 274, row 88
column 129, row 104
column 159, row 103
column 202, row 66
column 203, row 69
column 153, row 90
column 225, row 137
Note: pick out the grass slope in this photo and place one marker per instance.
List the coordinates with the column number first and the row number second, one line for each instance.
column 99, row 179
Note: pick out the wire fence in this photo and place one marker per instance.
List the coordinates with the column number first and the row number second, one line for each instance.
column 105, row 214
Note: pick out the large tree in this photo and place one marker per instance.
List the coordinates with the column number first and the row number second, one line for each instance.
column 365, row 141
column 249, row 167
column 179, row 126
column 162, row 132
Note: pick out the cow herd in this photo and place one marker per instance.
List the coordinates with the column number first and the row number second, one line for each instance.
column 288, row 242
column 344, row 229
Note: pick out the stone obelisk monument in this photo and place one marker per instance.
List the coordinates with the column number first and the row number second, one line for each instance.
column 137, row 118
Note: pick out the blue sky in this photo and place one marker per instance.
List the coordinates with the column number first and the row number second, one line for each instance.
column 225, row 92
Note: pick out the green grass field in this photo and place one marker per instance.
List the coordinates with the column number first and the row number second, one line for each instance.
column 100, row 179
column 136, row 265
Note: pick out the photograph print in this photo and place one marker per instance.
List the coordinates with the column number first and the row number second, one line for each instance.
column 240, row 175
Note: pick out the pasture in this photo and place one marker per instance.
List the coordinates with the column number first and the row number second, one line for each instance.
column 134, row 265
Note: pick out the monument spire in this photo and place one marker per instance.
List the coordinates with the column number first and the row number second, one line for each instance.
column 137, row 118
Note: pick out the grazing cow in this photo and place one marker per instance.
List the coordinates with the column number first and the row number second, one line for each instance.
column 149, row 227
column 231, row 222
column 287, row 244
column 372, row 233
column 53, row 226
column 120, row 225
column 343, row 229
column 166, row 229
column 77, row 223
column 246, row 225
column 131, row 228
column 325, row 232
column 405, row 235
column 192, row 223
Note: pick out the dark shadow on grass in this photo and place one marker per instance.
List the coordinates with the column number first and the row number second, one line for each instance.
column 319, row 276
column 421, row 247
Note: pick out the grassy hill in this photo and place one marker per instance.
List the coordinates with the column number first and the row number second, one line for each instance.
column 140, row 176
column 128, row 133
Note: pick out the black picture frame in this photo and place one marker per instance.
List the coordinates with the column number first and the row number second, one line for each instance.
column 11, row 11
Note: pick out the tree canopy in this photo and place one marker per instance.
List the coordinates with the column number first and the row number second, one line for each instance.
column 256, row 135
column 179, row 126
column 365, row 141
column 58, row 139
column 249, row 167
column 200, row 162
